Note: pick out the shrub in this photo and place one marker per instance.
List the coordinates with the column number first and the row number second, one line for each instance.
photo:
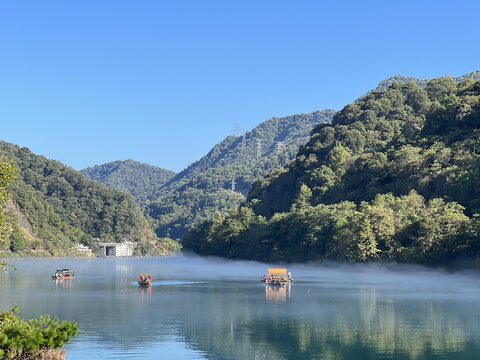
column 18, row 336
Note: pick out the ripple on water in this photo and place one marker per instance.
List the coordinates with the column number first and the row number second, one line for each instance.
column 169, row 282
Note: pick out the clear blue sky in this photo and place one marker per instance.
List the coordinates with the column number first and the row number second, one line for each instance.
column 88, row 82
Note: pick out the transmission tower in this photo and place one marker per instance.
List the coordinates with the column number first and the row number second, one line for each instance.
column 259, row 149
column 244, row 140
column 279, row 147
column 233, row 184
column 237, row 128
column 194, row 183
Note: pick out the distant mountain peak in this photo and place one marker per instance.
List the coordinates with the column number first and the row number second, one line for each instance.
column 221, row 178
column 131, row 176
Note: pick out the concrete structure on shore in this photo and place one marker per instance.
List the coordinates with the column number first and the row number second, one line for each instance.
column 116, row 249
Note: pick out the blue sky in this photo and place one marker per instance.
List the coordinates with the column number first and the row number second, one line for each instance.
column 89, row 82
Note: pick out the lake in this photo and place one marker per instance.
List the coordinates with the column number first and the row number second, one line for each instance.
column 201, row 308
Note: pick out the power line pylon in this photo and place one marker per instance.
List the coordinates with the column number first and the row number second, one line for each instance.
column 237, row 128
column 259, row 149
column 244, row 139
column 279, row 147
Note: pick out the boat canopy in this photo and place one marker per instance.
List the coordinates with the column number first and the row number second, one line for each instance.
column 277, row 270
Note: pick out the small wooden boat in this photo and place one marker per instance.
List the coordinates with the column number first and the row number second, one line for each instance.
column 64, row 274
column 144, row 279
column 277, row 276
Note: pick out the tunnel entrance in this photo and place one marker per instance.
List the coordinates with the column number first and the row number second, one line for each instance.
column 109, row 250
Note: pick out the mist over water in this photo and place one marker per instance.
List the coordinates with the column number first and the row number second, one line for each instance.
column 209, row 308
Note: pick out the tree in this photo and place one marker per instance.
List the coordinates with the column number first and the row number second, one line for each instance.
column 21, row 337
column 338, row 159
column 17, row 243
column 366, row 243
column 303, row 198
column 7, row 174
column 417, row 98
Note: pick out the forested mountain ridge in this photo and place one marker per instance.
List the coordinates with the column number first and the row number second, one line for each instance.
column 273, row 138
column 385, row 84
column 138, row 179
column 52, row 207
column 205, row 187
column 394, row 177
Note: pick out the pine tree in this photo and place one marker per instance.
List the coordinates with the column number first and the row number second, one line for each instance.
column 367, row 244
column 25, row 337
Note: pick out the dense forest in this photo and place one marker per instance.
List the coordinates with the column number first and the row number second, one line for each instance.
column 394, row 177
column 138, row 179
column 385, row 84
column 205, row 187
column 52, row 207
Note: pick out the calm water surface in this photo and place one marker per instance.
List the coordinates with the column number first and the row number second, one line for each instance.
column 211, row 309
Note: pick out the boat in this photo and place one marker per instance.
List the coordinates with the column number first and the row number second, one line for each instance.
column 144, row 279
column 277, row 276
column 64, row 274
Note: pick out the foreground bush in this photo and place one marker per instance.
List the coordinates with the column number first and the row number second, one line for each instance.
column 33, row 339
column 40, row 354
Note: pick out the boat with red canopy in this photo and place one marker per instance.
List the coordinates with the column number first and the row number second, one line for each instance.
column 144, row 279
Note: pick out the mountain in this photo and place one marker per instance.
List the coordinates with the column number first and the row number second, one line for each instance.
column 52, row 207
column 221, row 179
column 138, row 179
column 385, row 84
column 394, row 177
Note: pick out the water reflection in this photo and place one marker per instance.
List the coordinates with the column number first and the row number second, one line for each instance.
column 123, row 268
column 145, row 290
column 332, row 314
column 275, row 294
column 64, row 283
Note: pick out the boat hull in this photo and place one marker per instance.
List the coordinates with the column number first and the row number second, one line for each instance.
column 278, row 283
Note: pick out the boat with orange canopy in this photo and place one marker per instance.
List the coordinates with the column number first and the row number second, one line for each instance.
column 277, row 276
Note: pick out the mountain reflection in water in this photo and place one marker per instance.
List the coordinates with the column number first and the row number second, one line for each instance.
column 207, row 309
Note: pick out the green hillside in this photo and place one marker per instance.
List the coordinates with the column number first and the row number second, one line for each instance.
column 52, row 207
column 205, row 187
column 138, row 179
column 394, row 177
column 385, row 84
